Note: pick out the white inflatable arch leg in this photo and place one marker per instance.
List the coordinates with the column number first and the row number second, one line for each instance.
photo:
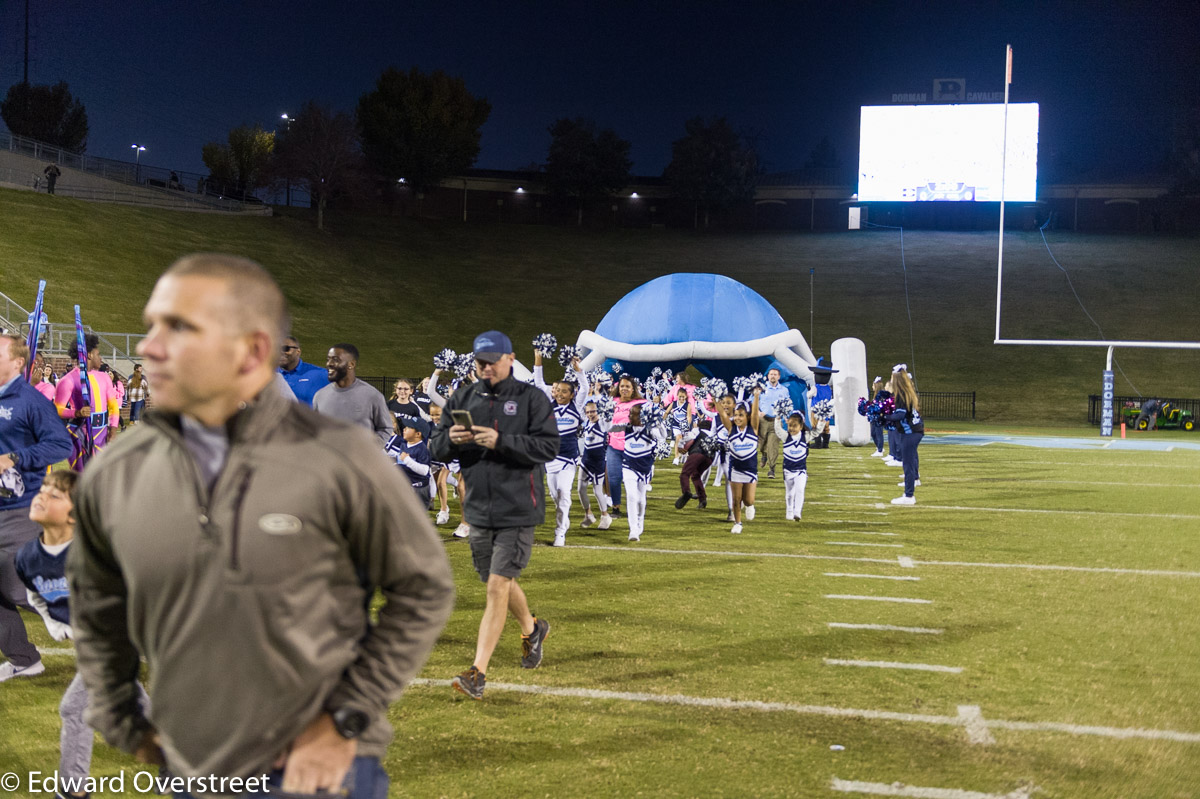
column 849, row 356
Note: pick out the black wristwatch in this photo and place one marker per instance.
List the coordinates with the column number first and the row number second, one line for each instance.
column 350, row 722
column 15, row 458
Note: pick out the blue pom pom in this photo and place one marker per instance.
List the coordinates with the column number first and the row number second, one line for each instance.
column 717, row 388
column 605, row 407
column 822, row 410
column 652, row 414
column 784, row 407
column 616, row 368
column 465, row 366
column 567, row 354
column 545, row 344
column 445, row 359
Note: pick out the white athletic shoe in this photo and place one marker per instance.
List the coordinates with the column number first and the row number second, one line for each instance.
column 588, row 521
column 877, row 453
column 748, row 512
column 893, row 462
column 676, row 461
column 443, row 516
column 788, row 517
column 8, row 670
column 605, row 522
column 904, row 501
column 649, row 488
column 901, row 483
column 560, row 540
column 633, row 537
column 462, row 531
column 737, row 529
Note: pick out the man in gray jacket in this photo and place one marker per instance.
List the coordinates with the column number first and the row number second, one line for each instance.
column 235, row 541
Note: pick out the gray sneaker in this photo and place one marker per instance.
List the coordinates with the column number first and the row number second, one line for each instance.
column 531, row 645
column 470, row 682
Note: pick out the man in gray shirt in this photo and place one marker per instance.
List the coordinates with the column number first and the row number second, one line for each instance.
column 348, row 398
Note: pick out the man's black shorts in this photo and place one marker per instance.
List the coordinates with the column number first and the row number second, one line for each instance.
column 500, row 550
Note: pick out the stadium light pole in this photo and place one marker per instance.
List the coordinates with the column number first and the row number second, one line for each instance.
column 137, row 168
column 287, row 125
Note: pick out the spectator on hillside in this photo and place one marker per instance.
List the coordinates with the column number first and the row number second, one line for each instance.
column 305, row 379
column 52, row 173
column 346, row 397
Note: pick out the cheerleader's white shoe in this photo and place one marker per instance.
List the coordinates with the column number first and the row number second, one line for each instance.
column 789, row 517
column 588, row 521
column 877, row 453
column 605, row 522
column 443, row 516
column 462, row 531
column 748, row 512
column 901, row 483
column 560, row 540
column 904, row 501
column 737, row 529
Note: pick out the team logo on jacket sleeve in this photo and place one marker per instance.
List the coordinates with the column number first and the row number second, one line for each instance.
column 510, row 408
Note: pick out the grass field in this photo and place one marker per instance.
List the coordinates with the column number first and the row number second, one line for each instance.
column 402, row 290
column 1060, row 599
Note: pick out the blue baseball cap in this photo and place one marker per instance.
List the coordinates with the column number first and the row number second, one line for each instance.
column 490, row 346
column 418, row 424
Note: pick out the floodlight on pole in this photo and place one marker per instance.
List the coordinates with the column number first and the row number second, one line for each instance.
column 287, row 122
column 137, row 169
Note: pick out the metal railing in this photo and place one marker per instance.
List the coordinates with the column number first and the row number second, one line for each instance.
column 200, row 189
column 1119, row 404
column 60, row 339
column 949, row 406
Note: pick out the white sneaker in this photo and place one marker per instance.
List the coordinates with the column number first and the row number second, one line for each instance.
column 904, row 501
column 788, row 517
column 877, row 453
column 737, row 529
column 8, row 670
column 443, row 516
column 901, row 483
column 748, row 512
column 462, row 531
column 675, row 462
column 893, row 462
column 588, row 521
column 605, row 522
column 649, row 488
column 560, row 540
column 633, row 537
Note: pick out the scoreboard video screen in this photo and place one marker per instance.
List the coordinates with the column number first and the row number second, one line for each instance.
column 916, row 153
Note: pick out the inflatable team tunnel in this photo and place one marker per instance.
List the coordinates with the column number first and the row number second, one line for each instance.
column 726, row 330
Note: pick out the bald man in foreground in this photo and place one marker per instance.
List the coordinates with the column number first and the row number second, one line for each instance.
column 235, row 540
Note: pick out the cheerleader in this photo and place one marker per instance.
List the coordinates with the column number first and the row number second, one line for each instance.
column 591, row 466
column 795, row 463
column 893, row 440
column 877, row 427
column 720, row 456
column 910, row 429
column 438, row 488
column 453, row 472
column 680, row 402
column 637, row 462
column 568, row 407
column 743, row 457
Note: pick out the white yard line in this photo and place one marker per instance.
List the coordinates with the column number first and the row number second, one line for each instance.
column 870, row 576
column 888, row 664
column 838, row 625
column 56, row 652
column 918, row 792
column 862, row 544
column 881, row 599
column 975, row 509
column 1125, row 733
column 977, row 731
column 907, row 563
column 860, row 532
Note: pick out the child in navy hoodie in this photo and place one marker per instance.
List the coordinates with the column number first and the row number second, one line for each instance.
column 412, row 456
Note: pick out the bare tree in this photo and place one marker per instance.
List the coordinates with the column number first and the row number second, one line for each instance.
column 320, row 151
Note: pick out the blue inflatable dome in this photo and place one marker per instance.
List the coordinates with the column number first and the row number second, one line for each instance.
column 691, row 307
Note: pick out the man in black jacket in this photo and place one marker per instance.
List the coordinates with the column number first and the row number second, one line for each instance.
column 512, row 433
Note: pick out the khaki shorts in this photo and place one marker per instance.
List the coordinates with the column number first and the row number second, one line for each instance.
column 500, row 550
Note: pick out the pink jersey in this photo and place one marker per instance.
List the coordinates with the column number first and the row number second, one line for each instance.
column 46, row 389
column 621, row 416
column 68, row 396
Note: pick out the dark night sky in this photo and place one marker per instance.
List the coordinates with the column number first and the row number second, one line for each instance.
column 1111, row 77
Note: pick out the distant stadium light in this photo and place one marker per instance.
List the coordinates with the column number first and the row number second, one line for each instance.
column 284, row 117
column 520, row 190
column 634, row 196
column 401, row 180
column 137, row 167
